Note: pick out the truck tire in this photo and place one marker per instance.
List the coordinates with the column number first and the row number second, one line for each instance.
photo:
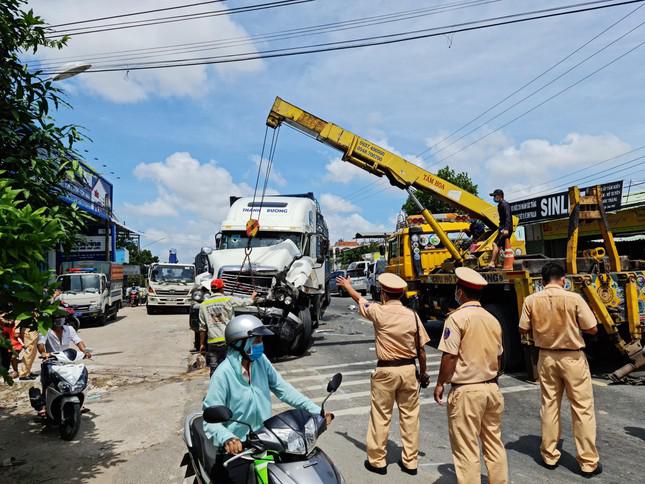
column 115, row 311
column 103, row 317
column 304, row 339
column 513, row 357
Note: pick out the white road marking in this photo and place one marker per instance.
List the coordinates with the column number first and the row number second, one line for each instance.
column 345, row 373
column 339, row 365
column 425, row 401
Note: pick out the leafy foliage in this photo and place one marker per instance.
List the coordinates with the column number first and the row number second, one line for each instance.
column 36, row 155
column 432, row 203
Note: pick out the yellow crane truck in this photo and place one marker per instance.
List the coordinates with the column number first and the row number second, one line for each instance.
column 613, row 286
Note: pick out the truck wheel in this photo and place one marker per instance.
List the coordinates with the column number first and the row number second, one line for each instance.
column 304, row 339
column 512, row 358
column 115, row 310
column 103, row 317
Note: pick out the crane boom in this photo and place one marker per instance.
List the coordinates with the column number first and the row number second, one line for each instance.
column 381, row 162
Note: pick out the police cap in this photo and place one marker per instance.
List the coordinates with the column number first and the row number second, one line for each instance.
column 470, row 278
column 392, row 283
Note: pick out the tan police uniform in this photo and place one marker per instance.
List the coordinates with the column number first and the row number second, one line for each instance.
column 394, row 379
column 475, row 403
column 555, row 317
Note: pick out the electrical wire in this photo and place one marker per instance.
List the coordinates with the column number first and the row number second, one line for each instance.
column 174, row 19
column 131, row 14
column 549, row 69
column 275, row 36
column 369, row 41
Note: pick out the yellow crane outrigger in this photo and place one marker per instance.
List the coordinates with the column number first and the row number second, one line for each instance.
column 401, row 173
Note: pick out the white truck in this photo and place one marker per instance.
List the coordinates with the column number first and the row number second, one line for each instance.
column 359, row 274
column 92, row 288
column 286, row 265
column 169, row 286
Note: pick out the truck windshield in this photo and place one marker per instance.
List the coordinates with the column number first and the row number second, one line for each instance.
column 183, row 275
column 356, row 272
column 239, row 240
column 79, row 283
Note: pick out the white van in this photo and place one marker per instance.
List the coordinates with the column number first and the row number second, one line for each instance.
column 359, row 273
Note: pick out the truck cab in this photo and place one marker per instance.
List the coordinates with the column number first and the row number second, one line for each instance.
column 359, row 273
column 92, row 289
column 285, row 263
column 169, row 286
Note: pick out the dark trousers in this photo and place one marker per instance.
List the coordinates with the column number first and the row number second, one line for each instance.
column 215, row 354
column 240, row 471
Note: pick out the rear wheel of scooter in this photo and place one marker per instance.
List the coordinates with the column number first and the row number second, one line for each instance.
column 304, row 340
column 71, row 421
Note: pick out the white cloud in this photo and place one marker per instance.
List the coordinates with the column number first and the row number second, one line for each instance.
column 274, row 177
column 194, row 81
column 337, row 204
column 189, row 186
column 156, row 208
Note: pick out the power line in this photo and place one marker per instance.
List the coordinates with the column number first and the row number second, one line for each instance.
column 131, row 14
column 568, row 56
column 280, row 35
column 366, row 42
column 575, row 172
column 175, row 18
column 550, row 98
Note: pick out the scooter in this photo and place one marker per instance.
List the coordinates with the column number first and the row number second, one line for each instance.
column 63, row 398
column 289, row 438
column 134, row 298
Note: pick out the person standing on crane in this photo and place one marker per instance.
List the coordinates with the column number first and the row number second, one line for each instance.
column 214, row 314
column 556, row 317
column 505, row 226
column 472, row 348
column 400, row 338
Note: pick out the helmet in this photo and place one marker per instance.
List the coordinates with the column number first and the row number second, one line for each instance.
column 245, row 326
column 217, row 284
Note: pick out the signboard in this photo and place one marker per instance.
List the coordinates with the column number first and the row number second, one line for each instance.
column 89, row 191
column 554, row 206
column 90, row 243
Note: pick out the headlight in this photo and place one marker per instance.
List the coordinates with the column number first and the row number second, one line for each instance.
column 288, row 300
column 280, row 297
column 94, row 307
column 64, row 387
column 292, row 440
column 311, row 433
column 79, row 386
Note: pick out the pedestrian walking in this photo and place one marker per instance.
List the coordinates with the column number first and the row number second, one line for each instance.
column 400, row 338
column 472, row 346
column 556, row 317
column 214, row 314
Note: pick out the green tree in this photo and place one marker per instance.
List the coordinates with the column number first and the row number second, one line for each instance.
column 461, row 179
column 36, row 156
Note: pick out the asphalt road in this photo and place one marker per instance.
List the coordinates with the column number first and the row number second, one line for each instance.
column 140, row 392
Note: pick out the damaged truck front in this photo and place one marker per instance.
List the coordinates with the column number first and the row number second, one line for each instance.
column 285, row 263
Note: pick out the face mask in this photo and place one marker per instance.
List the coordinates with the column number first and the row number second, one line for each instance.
column 254, row 350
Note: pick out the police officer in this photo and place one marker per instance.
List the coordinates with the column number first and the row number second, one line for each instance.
column 400, row 338
column 505, row 226
column 555, row 317
column 472, row 346
column 214, row 314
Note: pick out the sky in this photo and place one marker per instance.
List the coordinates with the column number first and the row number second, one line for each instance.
column 176, row 143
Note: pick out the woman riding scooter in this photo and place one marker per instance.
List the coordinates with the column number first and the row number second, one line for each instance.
column 243, row 382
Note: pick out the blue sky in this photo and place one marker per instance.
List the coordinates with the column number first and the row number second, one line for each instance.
column 183, row 140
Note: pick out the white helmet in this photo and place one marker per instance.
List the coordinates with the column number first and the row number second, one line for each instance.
column 245, row 326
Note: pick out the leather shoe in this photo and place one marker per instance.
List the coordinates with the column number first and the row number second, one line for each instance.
column 407, row 470
column 550, row 466
column 595, row 472
column 376, row 470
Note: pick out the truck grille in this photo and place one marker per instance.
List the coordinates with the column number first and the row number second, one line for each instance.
column 172, row 292
column 81, row 307
column 245, row 283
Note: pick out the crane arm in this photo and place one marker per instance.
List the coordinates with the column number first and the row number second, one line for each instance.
column 381, row 162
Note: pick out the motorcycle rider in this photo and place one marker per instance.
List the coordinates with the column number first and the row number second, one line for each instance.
column 58, row 338
column 243, row 382
column 214, row 314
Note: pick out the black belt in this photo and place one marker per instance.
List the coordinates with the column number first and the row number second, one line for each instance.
column 559, row 349
column 455, row 385
column 385, row 363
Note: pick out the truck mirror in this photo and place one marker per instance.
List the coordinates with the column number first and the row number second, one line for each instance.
column 218, row 240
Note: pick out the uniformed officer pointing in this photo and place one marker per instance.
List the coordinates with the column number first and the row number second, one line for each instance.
column 556, row 317
column 400, row 338
column 472, row 346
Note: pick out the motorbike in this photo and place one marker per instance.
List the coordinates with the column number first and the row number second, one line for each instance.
column 134, row 298
column 63, row 398
column 289, row 438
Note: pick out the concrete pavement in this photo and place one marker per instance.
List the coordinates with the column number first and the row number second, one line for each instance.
column 141, row 392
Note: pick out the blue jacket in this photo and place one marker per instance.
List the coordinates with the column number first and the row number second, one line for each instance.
column 249, row 403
